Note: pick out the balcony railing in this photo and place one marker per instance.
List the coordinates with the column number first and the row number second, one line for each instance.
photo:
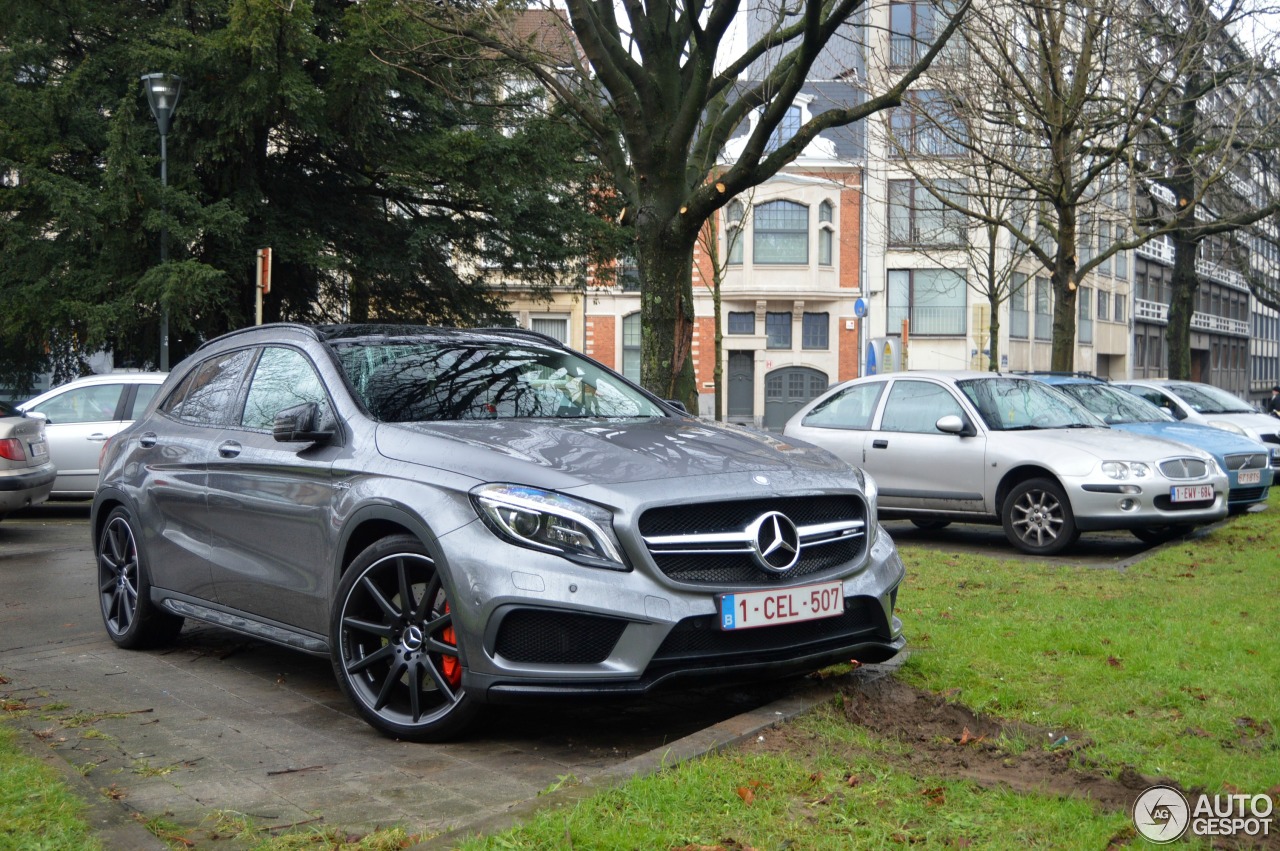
column 1219, row 324
column 1159, row 248
column 1150, row 311
column 1221, row 274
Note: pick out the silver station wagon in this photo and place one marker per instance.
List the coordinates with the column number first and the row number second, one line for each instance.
column 985, row 447
column 461, row 517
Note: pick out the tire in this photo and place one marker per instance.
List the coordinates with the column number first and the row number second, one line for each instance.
column 1160, row 534
column 930, row 525
column 124, row 588
column 395, row 652
column 1037, row 518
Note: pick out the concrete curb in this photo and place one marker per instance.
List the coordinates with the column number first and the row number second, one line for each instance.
column 713, row 739
column 112, row 822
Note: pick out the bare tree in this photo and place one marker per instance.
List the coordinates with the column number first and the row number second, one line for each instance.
column 1207, row 161
column 661, row 87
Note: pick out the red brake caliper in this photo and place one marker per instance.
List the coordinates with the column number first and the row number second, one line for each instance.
column 449, row 665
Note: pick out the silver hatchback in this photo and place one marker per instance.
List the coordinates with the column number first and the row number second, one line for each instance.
column 457, row 517
column 985, row 447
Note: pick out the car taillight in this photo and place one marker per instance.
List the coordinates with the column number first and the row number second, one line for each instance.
column 11, row 449
column 102, row 453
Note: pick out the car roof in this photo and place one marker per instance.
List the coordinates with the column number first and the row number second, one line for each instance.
column 374, row 332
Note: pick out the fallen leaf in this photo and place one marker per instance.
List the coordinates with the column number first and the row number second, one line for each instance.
column 936, row 795
column 852, row 780
column 1114, row 662
column 967, row 738
column 746, row 795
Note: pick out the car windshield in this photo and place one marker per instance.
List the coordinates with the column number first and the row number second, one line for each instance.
column 467, row 379
column 1205, row 399
column 1114, row 406
column 1011, row 404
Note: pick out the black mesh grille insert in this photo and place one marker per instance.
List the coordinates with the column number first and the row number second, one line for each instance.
column 1164, row 503
column 1244, row 494
column 557, row 638
column 701, row 637
column 739, row 568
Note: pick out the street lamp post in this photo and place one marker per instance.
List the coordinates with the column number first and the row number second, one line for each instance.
column 162, row 94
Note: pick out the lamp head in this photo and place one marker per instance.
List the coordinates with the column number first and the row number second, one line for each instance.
column 162, row 94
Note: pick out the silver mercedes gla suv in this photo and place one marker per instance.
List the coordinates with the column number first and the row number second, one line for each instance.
column 460, row 517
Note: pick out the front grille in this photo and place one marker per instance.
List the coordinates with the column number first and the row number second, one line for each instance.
column 700, row 638
column 539, row 636
column 1247, row 461
column 1245, row 494
column 710, row 543
column 1184, row 468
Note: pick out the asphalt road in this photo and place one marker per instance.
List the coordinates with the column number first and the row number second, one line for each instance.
column 221, row 722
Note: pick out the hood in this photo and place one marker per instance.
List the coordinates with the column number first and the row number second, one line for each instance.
column 1213, row 440
column 1253, row 425
column 1076, row 451
column 570, row 453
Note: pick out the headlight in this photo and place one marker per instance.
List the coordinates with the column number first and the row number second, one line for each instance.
column 1126, row 469
column 550, row 522
column 1228, row 426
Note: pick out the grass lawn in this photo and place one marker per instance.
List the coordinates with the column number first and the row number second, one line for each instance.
column 1037, row 702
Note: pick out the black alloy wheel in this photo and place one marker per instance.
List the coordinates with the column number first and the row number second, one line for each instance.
column 395, row 650
column 124, row 588
column 1037, row 518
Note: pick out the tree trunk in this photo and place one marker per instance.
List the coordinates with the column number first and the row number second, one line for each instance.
column 666, row 308
column 1182, row 305
column 1063, row 357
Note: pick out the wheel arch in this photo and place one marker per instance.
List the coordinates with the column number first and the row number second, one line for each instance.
column 1017, row 476
column 106, row 501
column 372, row 523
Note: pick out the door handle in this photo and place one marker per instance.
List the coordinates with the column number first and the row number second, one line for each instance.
column 148, row 440
column 230, row 449
column 97, row 437
column 879, row 444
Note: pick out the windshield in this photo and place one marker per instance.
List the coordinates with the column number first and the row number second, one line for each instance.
column 468, row 379
column 1114, row 406
column 1009, row 404
column 1206, row 399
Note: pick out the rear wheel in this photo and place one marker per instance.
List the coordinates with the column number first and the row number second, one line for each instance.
column 1038, row 519
column 124, row 588
column 395, row 651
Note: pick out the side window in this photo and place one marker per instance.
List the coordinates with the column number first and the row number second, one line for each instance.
column 283, row 379
column 916, row 406
column 173, row 402
column 141, row 398
column 93, row 404
column 213, row 389
column 851, row 408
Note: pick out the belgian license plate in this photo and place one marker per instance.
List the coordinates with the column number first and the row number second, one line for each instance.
column 1191, row 493
column 39, row 449
column 1250, row 477
column 787, row 605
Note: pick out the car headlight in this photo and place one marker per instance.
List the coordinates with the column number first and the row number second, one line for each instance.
column 1228, row 426
column 551, row 522
column 1126, row 469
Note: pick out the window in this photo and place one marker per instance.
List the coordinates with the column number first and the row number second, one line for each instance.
column 94, row 403
column 925, row 124
column 918, row 217
column 1044, row 317
column 816, row 330
column 1104, row 245
column 913, row 26
column 1084, row 305
column 1119, row 313
column 209, row 395
column 781, row 233
column 826, row 233
column 933, row 299
column 733, row 233
column 556, row 327
column 777, row 327
column 742, row 323
column 916, row 407
column 1018, row 321
column 629, row 274
column 852, row 408
column 283, row 379
column 786, row 129
column 1104, row 302
column 631, row 347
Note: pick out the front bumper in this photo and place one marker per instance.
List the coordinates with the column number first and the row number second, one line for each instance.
column 1103, row 504
column 542, row 626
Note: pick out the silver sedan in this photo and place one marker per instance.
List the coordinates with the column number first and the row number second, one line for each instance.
column 985, row 447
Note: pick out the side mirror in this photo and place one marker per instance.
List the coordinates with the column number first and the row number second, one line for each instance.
column 300, row 423
column 36, row 415
column 953, row 424
column 679, row 406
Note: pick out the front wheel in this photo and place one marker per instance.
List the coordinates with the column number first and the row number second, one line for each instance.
column 1038, row 519
column 395, row 650
column 124, row 588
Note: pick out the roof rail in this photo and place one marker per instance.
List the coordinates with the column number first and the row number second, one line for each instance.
column 296, row 326
column 517, row 331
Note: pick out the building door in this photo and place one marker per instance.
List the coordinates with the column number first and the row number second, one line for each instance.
column 742, row 387
column 787, row 390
